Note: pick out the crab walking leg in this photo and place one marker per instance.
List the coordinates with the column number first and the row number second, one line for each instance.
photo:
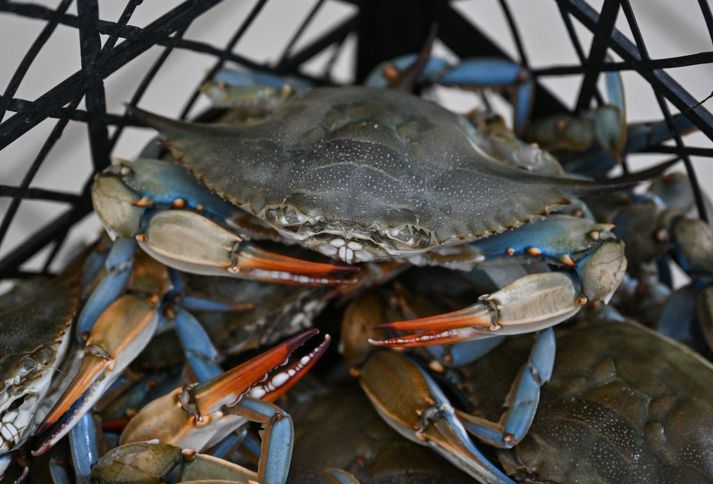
column 464, row 353
column 120, row 334
column 412, row 404
column 470, row 73
column 83, row 445
column 522, row 401
column 277, row 439
column 184, row 226
column 119, row 264
column 202, row 356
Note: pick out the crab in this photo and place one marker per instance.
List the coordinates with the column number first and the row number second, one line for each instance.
column 35, row 338
column 368, row 450
column 362, row 174
column 628, row 406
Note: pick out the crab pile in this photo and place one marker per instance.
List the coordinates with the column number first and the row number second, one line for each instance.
column 496, row 298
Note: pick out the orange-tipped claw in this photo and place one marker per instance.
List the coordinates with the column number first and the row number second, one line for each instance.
column 477, row 316
column 91, row 367
column 270, row 266
column 229, row 387
column 281, row 382
column 428, row 338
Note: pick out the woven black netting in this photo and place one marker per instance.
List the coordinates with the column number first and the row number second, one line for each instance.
column 69, row 69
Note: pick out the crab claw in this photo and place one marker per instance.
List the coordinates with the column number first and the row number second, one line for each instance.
column 261, row 264
column 413, row 405
column 119, row 335
column 194, row 416
column 228, row 388
column 193, row 243
column 528, row 304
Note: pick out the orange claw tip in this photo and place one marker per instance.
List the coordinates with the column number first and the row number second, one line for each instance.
column 91, row 367
column 252, row 257
column 228, row 388
column 429, row 338
column 281, row 382
column 477, row 316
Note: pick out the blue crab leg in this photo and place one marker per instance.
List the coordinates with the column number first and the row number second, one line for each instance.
column 119, row 335
column 119, row 264
column 83, row 444
column 233, row 88
column 386, row 73
column 495, row 73
column 595, row 265
column 198, row 302
column 649, row 134
column 200, row 415
column 460, row 354
column 184, row 226
column 409, row 400
column 522, row 401
column 277, row 441
column 469, row 73
column 200, row 353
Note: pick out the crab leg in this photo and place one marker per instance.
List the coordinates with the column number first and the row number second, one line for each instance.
column 83, row 444
column 118, row 336
column 470, row 73
column 199, row 416
column 190, row 242
column 277, row 440
column 522, row 401
column 413, row 405
column 183, row 225
column 535, row 301
column 119, row 264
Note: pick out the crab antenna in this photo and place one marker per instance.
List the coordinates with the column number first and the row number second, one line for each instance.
column 408, row 79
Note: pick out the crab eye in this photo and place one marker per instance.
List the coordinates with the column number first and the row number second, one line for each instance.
column 28, row 365
column 411, row 236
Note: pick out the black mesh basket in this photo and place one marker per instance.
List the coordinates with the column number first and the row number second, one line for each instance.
column 86, row 110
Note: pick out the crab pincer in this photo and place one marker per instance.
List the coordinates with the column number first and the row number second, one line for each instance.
column 200, row 415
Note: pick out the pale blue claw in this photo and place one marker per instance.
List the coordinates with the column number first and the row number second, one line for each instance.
column 522, row 402
column 169, row 184
column 119, row 264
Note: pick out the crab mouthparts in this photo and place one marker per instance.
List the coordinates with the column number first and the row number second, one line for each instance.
column 263, row 265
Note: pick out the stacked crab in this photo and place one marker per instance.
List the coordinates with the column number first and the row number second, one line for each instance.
column 417, row 229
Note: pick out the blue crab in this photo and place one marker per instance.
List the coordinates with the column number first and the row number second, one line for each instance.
column 363, row 174
column 35, row 339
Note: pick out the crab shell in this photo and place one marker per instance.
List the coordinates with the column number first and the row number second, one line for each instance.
column 365, row 174
column 624, row 404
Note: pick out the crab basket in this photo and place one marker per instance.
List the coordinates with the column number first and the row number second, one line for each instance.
column 75, row 73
